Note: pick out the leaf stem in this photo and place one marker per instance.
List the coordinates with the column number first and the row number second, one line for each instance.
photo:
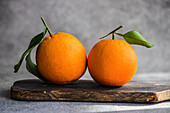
column 119, row 34
column 46, row 26
column 112, row 32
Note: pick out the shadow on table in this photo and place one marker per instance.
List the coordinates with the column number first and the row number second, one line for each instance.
column 88, row 103
column 158, row 110
column 5, row 93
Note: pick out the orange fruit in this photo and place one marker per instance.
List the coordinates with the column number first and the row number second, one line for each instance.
column 112, row 62
column 61, row 59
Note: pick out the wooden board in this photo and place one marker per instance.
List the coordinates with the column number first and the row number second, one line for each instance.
column 88, row 90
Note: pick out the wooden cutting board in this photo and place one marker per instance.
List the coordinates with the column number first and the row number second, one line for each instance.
column 88, row 90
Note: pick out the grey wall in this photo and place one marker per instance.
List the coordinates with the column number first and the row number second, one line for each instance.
column 88, row 20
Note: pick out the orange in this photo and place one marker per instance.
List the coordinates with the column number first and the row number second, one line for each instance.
column 112, row 62
column 61, row 59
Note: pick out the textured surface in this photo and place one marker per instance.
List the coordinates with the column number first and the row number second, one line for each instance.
column 8, row 105
column 88, row 20
column 88, row 90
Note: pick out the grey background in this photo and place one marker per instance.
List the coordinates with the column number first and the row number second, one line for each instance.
column 88, row 20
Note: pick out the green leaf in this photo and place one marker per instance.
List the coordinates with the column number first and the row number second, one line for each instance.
column 134, row 37
column 35, row 41
column 32, row 68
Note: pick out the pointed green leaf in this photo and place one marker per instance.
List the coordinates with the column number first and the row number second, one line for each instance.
column 35, row 41
column 134, row 37
column 32, row 68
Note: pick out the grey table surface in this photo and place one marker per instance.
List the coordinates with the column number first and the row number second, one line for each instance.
column 8, row 105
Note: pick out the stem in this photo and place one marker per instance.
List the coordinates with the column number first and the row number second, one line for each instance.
column 46, row 26
column 113, row 32
column 113, row 35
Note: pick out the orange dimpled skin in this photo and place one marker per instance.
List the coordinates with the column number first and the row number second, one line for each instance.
column 61, row 59
column 112, row 62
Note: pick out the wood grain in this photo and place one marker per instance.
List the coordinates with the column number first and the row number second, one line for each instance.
column 87, row 90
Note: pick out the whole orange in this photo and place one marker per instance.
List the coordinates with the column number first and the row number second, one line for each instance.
column 112, row 62
column 61, row 59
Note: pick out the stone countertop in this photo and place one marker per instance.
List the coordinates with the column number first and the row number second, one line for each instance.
column 8, row 105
